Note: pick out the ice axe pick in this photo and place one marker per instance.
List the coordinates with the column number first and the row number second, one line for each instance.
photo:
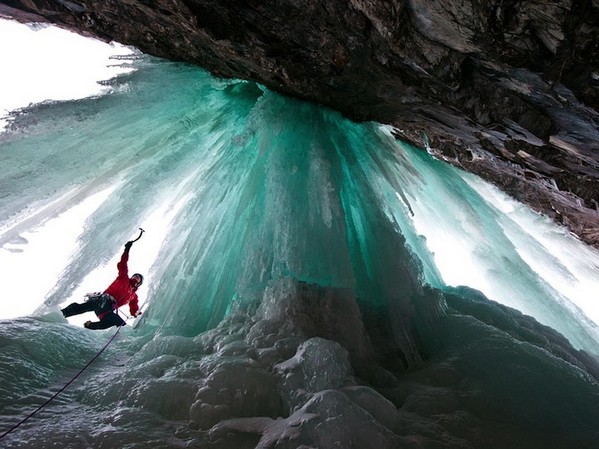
column 141, row 231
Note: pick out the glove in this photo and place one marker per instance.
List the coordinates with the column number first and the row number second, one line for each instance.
column 128, row 245
column 136, row 314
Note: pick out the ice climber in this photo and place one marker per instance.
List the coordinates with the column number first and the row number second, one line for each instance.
column 105, row 304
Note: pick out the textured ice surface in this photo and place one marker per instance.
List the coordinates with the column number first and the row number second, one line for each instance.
column 492, row 378
column 318, row 365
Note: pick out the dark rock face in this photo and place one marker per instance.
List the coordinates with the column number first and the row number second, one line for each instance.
column 508, row 90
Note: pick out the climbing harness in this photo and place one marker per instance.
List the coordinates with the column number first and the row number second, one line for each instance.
column 103, row 302
column 63, row 388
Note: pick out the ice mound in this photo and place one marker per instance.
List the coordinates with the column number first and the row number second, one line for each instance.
column 288, row 374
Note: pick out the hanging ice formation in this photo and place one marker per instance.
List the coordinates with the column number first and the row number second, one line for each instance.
column 292, row 302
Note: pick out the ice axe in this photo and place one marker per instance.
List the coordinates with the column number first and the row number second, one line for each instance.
column 141, row 231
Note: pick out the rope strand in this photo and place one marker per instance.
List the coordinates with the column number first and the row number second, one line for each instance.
column 63, row 388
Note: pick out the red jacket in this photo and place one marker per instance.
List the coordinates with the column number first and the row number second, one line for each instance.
column 121, row 289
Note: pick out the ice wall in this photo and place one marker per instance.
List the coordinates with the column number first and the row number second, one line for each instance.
column 291, row 298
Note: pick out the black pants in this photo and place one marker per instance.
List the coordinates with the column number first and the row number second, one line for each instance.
column 100, row 304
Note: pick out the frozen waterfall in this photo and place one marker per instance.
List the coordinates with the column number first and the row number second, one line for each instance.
column 310, row 281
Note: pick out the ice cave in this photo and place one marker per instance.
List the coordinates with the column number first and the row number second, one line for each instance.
column 311, row 281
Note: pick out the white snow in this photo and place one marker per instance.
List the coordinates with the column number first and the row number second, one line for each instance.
column 41, row 63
